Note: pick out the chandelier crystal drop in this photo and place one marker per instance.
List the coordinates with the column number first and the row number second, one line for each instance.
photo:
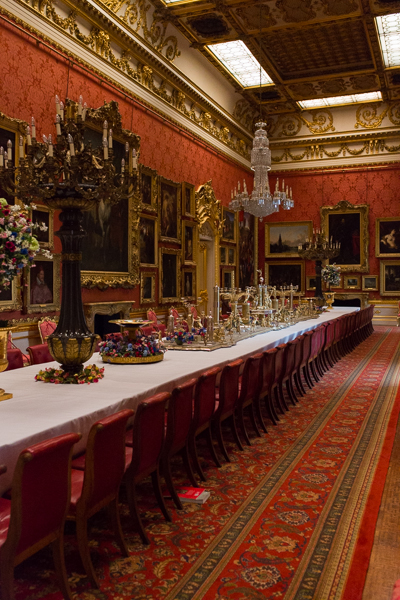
column 261, row 202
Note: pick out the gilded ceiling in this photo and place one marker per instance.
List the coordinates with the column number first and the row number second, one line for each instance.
column 309, row 48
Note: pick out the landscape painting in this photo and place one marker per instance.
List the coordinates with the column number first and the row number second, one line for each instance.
column 284, row 239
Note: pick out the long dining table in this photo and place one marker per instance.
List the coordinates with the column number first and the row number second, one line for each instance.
column 40, row 411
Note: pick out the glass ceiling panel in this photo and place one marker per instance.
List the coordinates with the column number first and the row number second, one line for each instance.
column 389, row 36
column 240, row 62
column 351, row 99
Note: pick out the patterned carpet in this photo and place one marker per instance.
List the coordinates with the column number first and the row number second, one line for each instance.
column 283, row 519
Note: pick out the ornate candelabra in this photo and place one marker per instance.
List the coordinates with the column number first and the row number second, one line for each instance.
column 71, row 175
column 319, row 248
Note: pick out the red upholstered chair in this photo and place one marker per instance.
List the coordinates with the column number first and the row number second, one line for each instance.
column 179, row 421
column 46, row 327
column 151, row 316
column 203, row 416
column 12, row 346
column 249, row 386
column 15, row 359
column 178, row 321
column 35, row 515
column 288, row 371
column 40, row 354
column 98, row 484
column 279, row 372
column 227, row 399
column 144, row 455
column 267, row 379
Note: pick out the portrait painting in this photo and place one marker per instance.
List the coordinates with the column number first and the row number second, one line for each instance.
column 283, row 239
column 6, row 135
column 387, row 237
column 347, row 225
column 169, row 211
column 188, row 242
column 188, row 284
column 229, row 226
column 351, row 282
column 222, row 255
column 10, row 296
column 147, row 287
column 148, row 189
column 188, row 200
column 390, row 278
column 42, row 219
column 370, row 283
column 44, row 284
column 246, row 250
column 284, row 274
column 147, row 241
column 169, row 274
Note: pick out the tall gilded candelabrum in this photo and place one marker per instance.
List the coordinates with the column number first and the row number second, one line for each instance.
column 319, row 248
column 71, row 175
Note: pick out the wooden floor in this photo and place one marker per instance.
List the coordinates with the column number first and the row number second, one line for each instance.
column 384, row 567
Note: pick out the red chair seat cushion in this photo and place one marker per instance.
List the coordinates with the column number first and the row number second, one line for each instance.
column 128, row 456
column 129, row 438
column 79, row 463
column 76, row 488
column 5, row 511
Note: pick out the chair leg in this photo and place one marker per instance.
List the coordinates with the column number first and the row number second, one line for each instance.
column 116, row 523
column 166, row 471
column 155, row 478
column 83, row 546
column 234, row 430
column 220, row 439
column 7, row 579
column 307, row 376
column 282, row 396
column 211, row 447
column 259, row 414
column 195, row 458
column 290, row 391
column 298, row 384
column 269, row 405
column 278, row 400
column 252, row 411
column 188, row 466
column 59, row 563
column 314, row 371
column 240, row 415
column 135, row 516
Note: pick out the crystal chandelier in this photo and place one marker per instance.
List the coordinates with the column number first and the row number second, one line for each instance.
column 261, row 202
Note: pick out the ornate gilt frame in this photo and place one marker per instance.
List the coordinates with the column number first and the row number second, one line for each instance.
column 16, row 302
column 345, row 207
column 378, row 252
column 348, row 286
column 152, row 275
column 231, row 270
column 283, row 263
column 193, row 296
column 177, row 253
column 178, row 187
column 56, row 304
column 382, row 286
column 192, row 212
column 375, row 288
column 235, row 226
column 14, row 126
column 153, row 206
column 209, row 210
column 45, row 209
column 309, row 287
column 155, row 219
column 127, row 279
column 269, row 226
column 193, row 226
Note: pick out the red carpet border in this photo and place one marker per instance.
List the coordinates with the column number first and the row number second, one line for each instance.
column 284, row 517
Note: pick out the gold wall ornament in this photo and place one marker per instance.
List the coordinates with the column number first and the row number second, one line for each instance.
column 290, row 125
column 367, row 116
column 208, row 207
column 347, row 224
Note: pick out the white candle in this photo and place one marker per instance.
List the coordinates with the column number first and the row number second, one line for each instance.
column 122, row 166
column 84, row 111
column 80, row 106
column 62, row 111
column 50, row 140
column 283, row 185
column 28, row 135
column 9, row 150
column 33, row 128
column 71, row 145
column 1, row 156
column 57, row 105
column 105, row 128
column 105, row 148
column 58, row 125
column 134, row 159
column 110, row 139
column 126, row 147
column 238, row 186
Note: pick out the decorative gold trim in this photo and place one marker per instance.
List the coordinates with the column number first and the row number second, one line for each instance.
column 209, row 210
column 133, row 360
column 351, row 282
column 383, row 282
column 370, row 289
column 367, row 115
column 103, row 279
column 155, row 220
column 15, row 303
column 144, row 275
column 192, row 225
column 52, row 306
column 392, row 238
column 162, row 181
column 161, row 274
column 269, row 226
column 152, row 173
column 348, row 208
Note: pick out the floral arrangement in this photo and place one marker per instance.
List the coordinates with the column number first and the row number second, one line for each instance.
column 331, row 274
column 185, row 337
column 117, row 345
column 89, row 374
column 18, row 246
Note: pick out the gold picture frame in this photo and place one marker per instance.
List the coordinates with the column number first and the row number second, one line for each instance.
column 147, row 287
column 370, row 283
column 188, row 200
column 284, row 273
column 170, row 210
column 228, row 277
column 189, row 242
column 311, row 283
column 387, row 237
column 390, row 278
column 283, row 238
column 148, row 189
column 189, row 284
column 339, row 285
column 230, row 225
column 351, row 282
column 169, row 275
column 11, row 129
column 148, row 240
column 44, row 283
column 43, row 214
column 223, row 255
column 348, row 224
column 10, row 297
column 110, row 253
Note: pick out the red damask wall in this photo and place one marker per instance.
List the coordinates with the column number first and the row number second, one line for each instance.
column 376, row 186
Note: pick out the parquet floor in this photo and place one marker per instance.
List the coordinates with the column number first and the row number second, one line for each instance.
column 384, row 567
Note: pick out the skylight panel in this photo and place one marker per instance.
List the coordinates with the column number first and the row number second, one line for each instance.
column 351, row 99
column 389, row 37
column 240, row 62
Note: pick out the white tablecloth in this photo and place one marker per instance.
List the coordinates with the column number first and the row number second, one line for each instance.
column 39, row 411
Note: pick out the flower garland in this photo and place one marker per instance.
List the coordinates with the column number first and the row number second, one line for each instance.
column 121, row 345
column 89, row 374
column 331, row 274
column 18, row 246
